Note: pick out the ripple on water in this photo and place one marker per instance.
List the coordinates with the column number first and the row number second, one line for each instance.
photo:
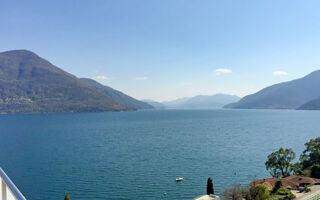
column 138, row 155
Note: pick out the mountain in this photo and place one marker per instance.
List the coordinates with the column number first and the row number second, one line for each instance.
column 213, row 101
column 30, row 84
column 154, row 104
column 311, row 105
column 202, row 101
column 286, row 95
column 175, row 103
column 117, row 96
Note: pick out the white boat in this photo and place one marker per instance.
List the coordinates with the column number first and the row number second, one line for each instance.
column 179, row 179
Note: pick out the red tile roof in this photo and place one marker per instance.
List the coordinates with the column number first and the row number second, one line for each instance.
column 293, row 181
column 269, row 182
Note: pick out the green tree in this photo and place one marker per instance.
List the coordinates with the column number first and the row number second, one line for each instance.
column 67, row 197
column 279, row 162
column 315, row 171
column 210, row 187
column 277, row 186
column 260, row 192
column 297, row 169
column 311, row 155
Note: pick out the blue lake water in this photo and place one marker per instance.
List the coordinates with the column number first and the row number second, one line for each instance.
column 138, row 155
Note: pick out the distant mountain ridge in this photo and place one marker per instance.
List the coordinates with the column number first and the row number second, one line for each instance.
column 286, row 95
column 117, row 96
column 206, row 101
column 31, row 84
column 197, row 102
column 154, row 104
column 175, row 103
column 311, row 105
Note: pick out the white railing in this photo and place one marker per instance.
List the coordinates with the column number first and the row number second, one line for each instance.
column 8, row 190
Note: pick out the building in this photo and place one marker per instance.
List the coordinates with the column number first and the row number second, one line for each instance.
column 290, row 182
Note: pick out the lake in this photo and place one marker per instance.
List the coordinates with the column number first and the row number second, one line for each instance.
column 138, row 155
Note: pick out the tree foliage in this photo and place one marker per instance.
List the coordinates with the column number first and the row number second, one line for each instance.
column 67, row 197
column 277, row 186
column 297, row 169
column 210, row 187
column 260, row 192
column 286, row 192
column 279, row 162
column 311, row 155
column 315, row 171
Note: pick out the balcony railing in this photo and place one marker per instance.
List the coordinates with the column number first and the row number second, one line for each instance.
column 8, row 190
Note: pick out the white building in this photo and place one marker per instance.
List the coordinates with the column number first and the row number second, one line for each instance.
column 208, row 197
column 8, row 191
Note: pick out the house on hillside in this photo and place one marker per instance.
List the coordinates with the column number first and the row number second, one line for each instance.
column 290, row 182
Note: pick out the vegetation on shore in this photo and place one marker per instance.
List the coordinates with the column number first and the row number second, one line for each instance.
column 280, row 164
column 238, row 192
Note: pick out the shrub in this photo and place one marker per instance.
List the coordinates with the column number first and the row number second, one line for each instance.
column 305, row 189
column 284, row 191
column 237, row 192
column 277, row 186
column 260, row 192
column 67, row 197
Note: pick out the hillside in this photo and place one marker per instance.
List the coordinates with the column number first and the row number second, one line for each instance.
column 30, row 84
column 213, row 101
column 175, row 103
column 202, row 101
column 154, row 104
column 311, row 105
column 117, row 96
column 286, row 95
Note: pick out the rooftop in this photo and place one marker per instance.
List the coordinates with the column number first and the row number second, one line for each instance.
column 292, row 181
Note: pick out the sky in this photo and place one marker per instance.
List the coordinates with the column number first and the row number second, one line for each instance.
column 168, row 49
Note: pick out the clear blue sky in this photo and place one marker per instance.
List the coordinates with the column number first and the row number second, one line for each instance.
column 167, row 49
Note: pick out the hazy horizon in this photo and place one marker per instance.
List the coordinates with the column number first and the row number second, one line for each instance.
column 164, row 50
